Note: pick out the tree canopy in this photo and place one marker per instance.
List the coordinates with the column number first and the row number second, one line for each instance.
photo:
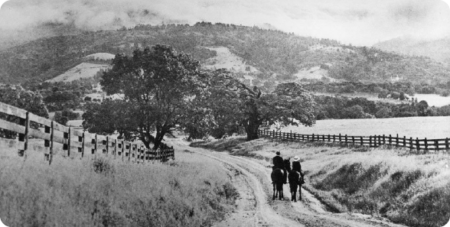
column 159, row 85
column 234, row 104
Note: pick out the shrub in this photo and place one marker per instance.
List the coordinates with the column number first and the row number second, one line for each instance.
column 102, row 165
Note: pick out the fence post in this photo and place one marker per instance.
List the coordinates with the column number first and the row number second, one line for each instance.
column 96, row 145
column 390, row 140
column 50, row 156
column 328, row 137
column 353, row 140
column 370, row 141
column 115, row 148
column 410, row 143
column 404, row 141
column 129, row 151
column 426, row 145
column 417, row 144
column 446, row 144
column 69, row 141
column 396, row 141
column 25, row 135
column 384, row 139
column 123, row 149
column 436, row 145
column 82, row 144
column 339, row 138
column 362, row 143
column 346, row 140
column 334, row 138
column 313, row 137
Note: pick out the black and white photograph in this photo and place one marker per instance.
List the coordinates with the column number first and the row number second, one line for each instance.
column 225, row 113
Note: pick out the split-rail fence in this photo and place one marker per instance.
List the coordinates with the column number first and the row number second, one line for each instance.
column 367, row 141
column 75, row 143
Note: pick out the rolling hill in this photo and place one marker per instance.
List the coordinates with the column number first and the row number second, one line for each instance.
column 258, row 56
column 83, row 70
column 438, row 50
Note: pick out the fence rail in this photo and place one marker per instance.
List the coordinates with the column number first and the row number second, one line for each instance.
column 75, row 143
column 367, row 141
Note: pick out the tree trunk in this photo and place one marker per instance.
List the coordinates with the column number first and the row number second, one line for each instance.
column 252, row 129
column 159, row 137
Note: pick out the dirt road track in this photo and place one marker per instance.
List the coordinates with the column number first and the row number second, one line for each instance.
column 255, row 206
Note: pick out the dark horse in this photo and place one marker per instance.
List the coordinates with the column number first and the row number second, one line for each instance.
column 277, row 181
column 279, row 177
column 296, row 179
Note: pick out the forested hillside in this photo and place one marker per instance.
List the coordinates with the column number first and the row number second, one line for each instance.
column 277, row 56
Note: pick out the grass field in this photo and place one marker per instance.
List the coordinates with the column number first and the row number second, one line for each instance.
column 191, row 191
column 408, row 189
column 429, row 127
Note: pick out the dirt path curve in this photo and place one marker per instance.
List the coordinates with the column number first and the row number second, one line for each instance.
column 255, row 206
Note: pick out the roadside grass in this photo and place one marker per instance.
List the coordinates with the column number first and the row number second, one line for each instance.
column 191, row 191
column 411, row 189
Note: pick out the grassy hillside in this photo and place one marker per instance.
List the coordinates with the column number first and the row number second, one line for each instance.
column 408, row 189
column 191, row 191
column 277, row 56
column 83, row 70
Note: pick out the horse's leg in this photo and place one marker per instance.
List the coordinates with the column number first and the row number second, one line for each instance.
column 281, row 192
column 294, row 195
column 300, row 192
column 274, row 192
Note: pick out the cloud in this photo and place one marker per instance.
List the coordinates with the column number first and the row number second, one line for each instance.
column 349, row 21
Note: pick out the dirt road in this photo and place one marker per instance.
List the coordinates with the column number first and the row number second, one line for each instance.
column 255, row 206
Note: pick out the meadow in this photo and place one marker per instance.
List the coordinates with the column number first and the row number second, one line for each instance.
column 191, row 191
column 433, row 99
column 405, row 188
column 421, row 127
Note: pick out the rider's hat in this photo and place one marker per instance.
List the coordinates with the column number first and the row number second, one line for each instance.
column 296, row 159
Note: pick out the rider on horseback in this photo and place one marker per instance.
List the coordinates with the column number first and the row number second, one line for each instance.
column 278, row 162
column 296, row 179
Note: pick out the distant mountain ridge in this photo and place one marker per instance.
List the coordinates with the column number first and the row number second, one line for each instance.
column 268, row 56
column 438, row 50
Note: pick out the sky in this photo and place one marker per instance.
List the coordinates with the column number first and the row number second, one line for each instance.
column 357, row 22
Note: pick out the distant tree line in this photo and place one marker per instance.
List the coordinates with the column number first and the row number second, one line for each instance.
column 340, row 107
column 382, row 89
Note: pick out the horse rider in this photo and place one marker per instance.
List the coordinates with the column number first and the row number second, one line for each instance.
column 278, row 163
column 296, row 166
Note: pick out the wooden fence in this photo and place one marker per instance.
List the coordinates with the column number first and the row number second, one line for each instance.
column 368, row 141
column 75, row 143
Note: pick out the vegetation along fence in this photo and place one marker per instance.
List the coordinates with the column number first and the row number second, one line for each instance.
column 368, row 141
column 75, row 143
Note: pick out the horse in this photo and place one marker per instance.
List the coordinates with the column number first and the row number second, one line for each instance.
column 278, row 180
column 296, row 167
column 279, row 177
column 295, row 181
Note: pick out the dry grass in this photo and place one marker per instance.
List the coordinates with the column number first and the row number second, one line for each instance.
column 193, row 191
column 429, row 127
column 409, row 189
